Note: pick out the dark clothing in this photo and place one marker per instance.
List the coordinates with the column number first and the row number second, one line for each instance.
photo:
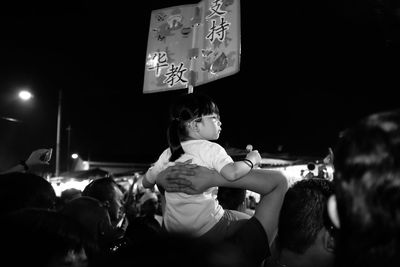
column 248, row 247
column 227, row 226
column 252, row 240
column 142, row 228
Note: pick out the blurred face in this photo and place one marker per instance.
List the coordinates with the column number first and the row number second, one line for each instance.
column 149, row 207
column 116, row 204
column 210, row 127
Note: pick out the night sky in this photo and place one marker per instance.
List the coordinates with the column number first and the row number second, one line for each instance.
column 308, row 70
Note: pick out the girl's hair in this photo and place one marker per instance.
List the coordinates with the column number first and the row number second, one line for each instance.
column 186, row 108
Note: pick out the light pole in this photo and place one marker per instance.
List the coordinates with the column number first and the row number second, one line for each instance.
column 69, row 148
column 58, row 133
column 25, row 95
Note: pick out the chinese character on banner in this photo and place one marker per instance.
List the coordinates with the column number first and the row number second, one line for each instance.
column 190, row 45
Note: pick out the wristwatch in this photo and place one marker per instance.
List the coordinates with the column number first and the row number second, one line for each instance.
column 23, row 163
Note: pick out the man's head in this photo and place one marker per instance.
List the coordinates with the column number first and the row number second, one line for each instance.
column 231, row 198
column 367, row 185
column 303, row 222
column 107, row 191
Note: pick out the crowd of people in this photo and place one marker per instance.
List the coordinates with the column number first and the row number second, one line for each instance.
column 199, row 217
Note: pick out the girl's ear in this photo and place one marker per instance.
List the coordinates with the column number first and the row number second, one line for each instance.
column 193, row 126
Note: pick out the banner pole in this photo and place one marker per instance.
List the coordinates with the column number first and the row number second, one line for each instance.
column 190, row 89
column 193, row 56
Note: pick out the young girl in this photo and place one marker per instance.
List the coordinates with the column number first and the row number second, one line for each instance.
column 195, row 121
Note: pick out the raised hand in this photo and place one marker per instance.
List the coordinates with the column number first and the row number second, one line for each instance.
column 39, row 157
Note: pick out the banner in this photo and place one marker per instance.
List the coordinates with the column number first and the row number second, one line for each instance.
column 190, row 45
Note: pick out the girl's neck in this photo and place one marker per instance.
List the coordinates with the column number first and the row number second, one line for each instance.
column 189, row 138
column 193, row 136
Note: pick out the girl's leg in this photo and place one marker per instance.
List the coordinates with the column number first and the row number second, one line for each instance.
column 240, row 215
column 230, row 222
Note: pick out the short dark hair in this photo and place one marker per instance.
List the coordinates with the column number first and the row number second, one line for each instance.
column 231, row 198
column 367, row 184
column 186, row 107
column 303, row 213
column 100, row 189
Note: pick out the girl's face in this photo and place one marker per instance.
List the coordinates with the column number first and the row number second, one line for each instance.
column 210, row 127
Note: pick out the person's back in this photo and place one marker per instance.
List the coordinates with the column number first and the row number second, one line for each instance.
column 195, row 121
column 366, row 207
column 43, row 238
column 171, row 249
column 305, row 236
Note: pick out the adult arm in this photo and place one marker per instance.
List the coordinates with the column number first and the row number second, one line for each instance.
column 270, row 184
column 36, row 158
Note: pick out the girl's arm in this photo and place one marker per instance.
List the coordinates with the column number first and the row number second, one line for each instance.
column 236, row 170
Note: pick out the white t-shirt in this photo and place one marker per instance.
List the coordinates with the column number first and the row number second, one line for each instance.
column 192, row 214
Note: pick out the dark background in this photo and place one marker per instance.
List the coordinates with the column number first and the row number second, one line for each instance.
column 309, row 69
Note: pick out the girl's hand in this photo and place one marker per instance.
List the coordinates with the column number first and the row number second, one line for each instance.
column 254, row 157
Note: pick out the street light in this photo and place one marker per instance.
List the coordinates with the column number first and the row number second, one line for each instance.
column 26, row 95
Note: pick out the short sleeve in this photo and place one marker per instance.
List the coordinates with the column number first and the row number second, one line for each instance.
column 158, row 166
column 218, row 156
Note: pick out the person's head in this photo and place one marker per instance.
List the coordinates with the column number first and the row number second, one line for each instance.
column 231, row 198
column 148, row 204
column 39, row 237
column 366, row 207
column 145, row 225
column 193, row 116
column 25, row 190
column 70, row 194
column 93, row 216
column 303, row 221
column 109, row 194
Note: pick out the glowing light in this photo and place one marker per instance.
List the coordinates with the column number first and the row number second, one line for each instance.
column 25, row 95
column 59, row 187
column 74, row 156
column 85, row 165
